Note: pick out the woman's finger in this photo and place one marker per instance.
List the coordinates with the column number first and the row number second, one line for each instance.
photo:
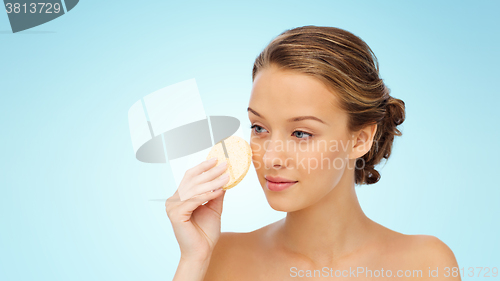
column 202, row 167
column 174, row 202
column 211, row 174
column 183, row 211
column 203, row 187
column 216, row 203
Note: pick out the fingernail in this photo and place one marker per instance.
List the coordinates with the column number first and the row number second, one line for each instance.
column 223, row 164
column 224, row 177
column 212, row 160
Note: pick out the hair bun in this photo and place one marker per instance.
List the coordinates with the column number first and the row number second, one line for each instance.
column 395, row 111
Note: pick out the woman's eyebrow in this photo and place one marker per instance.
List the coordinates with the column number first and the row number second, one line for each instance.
column 255, row 112
column 293, row 119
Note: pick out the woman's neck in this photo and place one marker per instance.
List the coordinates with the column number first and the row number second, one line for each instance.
column 333, row 228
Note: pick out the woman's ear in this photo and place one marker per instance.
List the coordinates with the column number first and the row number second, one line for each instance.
column 362, row 141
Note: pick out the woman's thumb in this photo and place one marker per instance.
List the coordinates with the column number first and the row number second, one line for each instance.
column 216, row 203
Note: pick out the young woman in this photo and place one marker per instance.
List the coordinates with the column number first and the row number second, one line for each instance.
column 321, row 118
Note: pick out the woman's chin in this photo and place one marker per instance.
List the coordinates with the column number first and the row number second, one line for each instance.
column 282, row 203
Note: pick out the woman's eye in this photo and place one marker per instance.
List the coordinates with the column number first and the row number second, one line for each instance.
column 301, row 133
column 255, row 126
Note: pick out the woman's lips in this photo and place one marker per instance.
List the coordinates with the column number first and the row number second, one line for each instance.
column 278, row 186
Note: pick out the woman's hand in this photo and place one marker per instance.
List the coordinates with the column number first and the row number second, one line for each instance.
column 197, row 226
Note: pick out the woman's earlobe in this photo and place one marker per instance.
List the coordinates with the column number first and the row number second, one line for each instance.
column 362, row 141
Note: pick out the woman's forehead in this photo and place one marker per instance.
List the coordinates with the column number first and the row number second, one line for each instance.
column 292, row 92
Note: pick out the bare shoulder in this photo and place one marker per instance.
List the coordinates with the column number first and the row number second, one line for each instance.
column 418, row 252
column 432, row 252
column 229, row 256
column 235, row 254
column 427, row 252
column 417, row 249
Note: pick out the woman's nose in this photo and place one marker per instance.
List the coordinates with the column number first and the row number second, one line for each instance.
column 275, row 155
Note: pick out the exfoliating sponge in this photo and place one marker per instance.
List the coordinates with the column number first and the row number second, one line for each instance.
column 238, row 163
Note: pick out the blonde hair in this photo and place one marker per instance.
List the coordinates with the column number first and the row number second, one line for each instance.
column 348, row 66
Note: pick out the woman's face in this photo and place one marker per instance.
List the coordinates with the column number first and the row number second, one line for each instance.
column 315, row 154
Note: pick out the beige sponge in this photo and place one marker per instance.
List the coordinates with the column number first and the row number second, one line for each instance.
column 240, row 158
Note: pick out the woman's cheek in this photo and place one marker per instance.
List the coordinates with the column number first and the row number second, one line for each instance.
column 256, row 154
column 314, row 161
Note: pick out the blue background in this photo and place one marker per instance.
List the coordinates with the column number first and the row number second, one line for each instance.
column 76, row 205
